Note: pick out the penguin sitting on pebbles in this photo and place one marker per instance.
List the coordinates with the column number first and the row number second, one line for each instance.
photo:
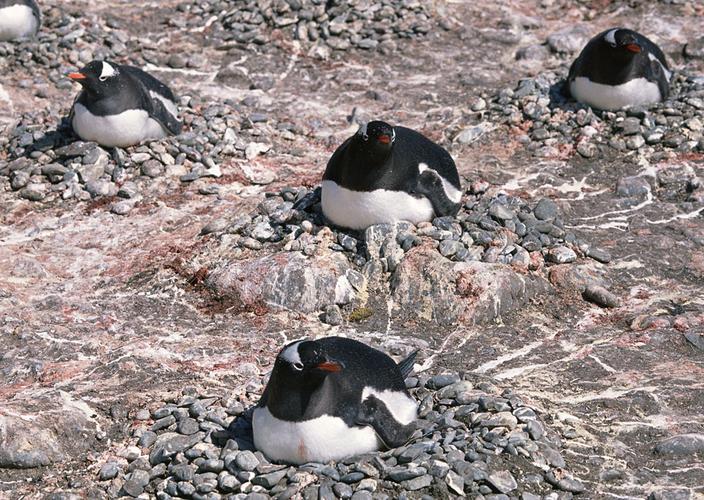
column 619, row 68
column 19, row 19
column 389, row 174
column 332, row 398
column 120, row 106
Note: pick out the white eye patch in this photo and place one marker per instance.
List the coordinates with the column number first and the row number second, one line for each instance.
column 610, row 37
column 291, row 354
column 107, row 72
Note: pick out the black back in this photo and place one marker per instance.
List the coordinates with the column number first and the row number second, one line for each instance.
column 29, row 3
column 354, row 166
column 613, row 64
column 304, row 395
column 128, row 89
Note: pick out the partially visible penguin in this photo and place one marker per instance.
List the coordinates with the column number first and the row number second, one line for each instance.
column 19, row 19
column 120, row 106
column 389, row 174
column 619, row 68
column 332, row 398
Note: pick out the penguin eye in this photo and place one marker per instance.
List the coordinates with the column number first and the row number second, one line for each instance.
column 297, row 366
column 102, row 78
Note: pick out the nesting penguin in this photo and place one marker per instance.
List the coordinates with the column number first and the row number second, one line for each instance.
column 19, row 19
column 122, row 105
column 619, row 68
column 332, row 398
column 389, row 174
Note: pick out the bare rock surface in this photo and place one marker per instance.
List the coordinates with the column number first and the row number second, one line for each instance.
column 107, row 305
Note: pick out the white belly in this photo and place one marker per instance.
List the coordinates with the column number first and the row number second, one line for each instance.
column 361, row 209
column 318, row 440
column 17, row 21
column 635, row 92
column 125, row 129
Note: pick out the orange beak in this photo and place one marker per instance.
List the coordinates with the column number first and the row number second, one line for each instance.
column 77, row 76
column 384, row 139
column 633, row 47
column 329, row 366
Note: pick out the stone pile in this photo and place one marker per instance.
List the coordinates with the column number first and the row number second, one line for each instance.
column 473, row 439
column 46, row 162
column 551, row 121
column 337, row 24
column 501, row 229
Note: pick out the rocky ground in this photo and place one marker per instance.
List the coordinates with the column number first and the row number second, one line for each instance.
column 146, row 291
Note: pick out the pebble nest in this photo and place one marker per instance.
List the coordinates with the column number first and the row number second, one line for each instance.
column 472, row 438
column 495, row 229
column 324, row 24
column 549, row 121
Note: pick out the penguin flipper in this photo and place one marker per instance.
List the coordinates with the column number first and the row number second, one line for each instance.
column 431, row 186
column 374, row 413
column 659, row 76
column 159, row 112
column 406, row 365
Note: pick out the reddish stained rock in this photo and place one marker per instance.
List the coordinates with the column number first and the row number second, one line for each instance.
column 53, row 429
column 428, row 287
column 287, row 280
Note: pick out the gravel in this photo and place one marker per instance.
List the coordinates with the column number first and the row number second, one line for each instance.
column 320, row 26
column 556, row 123
column 473, row 438
column 496, row 229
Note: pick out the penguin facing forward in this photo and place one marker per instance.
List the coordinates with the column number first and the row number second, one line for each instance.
column 389, row 174
column 19, row 19
column 120, row 106
column 619, row 68
column 332, row 398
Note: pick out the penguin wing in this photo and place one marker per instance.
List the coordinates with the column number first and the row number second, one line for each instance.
column 431, row 185
column 375, row 414
column 35, row 10
column 406, row 365
column 159, row 110
column 157, row 99
column 658, row 74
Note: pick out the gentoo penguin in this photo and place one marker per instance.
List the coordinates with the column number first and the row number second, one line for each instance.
column 122, row 105
column 388, row 174
column 619, row 68
column 333, row 398
column 18, row 19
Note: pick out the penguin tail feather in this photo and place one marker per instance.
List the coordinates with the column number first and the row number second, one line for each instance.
column 406, row 365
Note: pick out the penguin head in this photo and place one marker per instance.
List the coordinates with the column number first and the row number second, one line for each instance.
column 305, row 360
column 622, row 43
column 98, row 77
column 376, row 137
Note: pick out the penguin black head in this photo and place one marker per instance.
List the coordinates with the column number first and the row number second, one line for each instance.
column 306, row 361
column 98, row 77
column 376, row 137
column 622, row 43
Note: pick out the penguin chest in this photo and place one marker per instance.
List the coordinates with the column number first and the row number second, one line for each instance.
column 635, row 92
column 17, row 21
column 361, row 209
column 320, row 439
column 119, row 130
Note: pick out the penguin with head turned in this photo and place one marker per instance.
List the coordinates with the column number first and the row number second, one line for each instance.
column 385, row 174
column 619, row 68
column 19, row 19
column 332, row 398
column 121, row 105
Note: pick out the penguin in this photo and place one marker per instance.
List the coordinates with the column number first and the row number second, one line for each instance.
column 19, row 19
column 120, row 106
column 389, row 174
column 332, row 398
column 619, row 68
